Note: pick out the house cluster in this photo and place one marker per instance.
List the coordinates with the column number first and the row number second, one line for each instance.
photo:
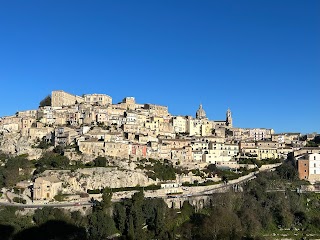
column 129, row 130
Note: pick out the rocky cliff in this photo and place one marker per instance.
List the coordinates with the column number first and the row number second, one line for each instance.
column 14, row 143
column 98, row 178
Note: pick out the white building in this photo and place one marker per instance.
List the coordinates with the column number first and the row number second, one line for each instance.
column 220, row 152
column 314, row 164
column 179, row 124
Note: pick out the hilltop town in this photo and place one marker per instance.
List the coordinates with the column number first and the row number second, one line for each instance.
column 129, row 144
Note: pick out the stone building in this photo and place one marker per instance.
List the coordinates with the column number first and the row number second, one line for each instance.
column 27, row 113
column 157, row 110
column 92, row 147
column 229, row 119
column 41, row 133
column 117, row 149
column 201, row 114
column 128, row 103
column 287, row 138
column 61, row 98
column 306, row 150
column 46, row 114
column 260, row 152
column 176, row 143
column 138, row 151
column 65, row 136
column 45, row 188
column 182, row 155
column 98, row 99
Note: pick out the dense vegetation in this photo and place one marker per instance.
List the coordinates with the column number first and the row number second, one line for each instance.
column 43, row 144
column 259, row 163
column 15, row 169
column 157, row 169
column 51, row 161
column 267, row 205
column 314, row 143
column 45, row 102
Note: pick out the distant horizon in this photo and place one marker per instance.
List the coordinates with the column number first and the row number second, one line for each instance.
column 259, row 58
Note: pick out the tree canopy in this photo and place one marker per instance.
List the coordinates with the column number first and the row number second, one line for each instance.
column 45, row 102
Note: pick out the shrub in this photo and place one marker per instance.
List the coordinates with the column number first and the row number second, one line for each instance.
column 94, row 191
column 84, row 195
column 19, row 200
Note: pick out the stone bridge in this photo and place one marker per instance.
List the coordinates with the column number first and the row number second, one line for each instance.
column 200, row 200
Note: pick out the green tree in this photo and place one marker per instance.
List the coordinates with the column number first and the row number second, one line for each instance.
column 248, row 214
column 131, row 228
column 43, row 144
column 59, row 150
column 106, row 198
column 287, row 171
column 78, row 219
column 155, row 212
column 2, row 183
column 221, row 224
column 46, row 214
column 101, row 225
column 45, row 102
column 52, row 161
column 16, row 169
column 100, row 162
column 119, row 216
column 134, row 217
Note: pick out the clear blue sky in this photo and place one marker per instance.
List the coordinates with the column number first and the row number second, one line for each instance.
column 261, row 58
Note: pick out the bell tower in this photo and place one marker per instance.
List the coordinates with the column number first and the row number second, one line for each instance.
column 229, row 118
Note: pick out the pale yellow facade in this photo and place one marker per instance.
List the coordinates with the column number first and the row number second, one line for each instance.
column 179, row 124
column 92, row 147
column 45, row 188
column 261, row 153
column 194, row 127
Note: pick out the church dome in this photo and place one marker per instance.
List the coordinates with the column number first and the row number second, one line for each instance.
column 200, row 114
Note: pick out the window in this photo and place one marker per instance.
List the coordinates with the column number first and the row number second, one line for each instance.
column 315, row 171
column 314, row 165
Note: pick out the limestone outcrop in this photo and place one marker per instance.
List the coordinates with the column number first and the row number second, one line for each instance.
column 97, row 178
column 14, row 143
